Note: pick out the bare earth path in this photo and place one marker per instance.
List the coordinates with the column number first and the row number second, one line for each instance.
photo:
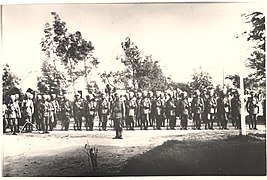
column 61, row 153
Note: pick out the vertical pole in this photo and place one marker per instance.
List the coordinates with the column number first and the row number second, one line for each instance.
column 243, row 118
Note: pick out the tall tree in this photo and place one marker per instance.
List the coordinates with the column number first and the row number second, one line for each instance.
column 201, row 80
column 256, row 35
column 71, row 49
column 9, row 82
column 131, row 59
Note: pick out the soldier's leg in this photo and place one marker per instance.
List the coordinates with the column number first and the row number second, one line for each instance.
column 86, row 124
column 255, row 121
column 46, row 124
column 14, row 126
column 67, row 122
column 4, row 124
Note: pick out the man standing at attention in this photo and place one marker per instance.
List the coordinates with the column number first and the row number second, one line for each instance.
column 117, row 114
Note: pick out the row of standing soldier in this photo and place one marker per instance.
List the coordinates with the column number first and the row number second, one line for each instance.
column 134, row 110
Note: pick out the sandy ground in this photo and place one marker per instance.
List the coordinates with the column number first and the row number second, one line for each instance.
column 62, row 153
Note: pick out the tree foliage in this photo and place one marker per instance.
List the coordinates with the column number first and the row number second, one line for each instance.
column 256, row 35
column 142, row 71
column 9, row 83
column 201, row 80
column 70, row 49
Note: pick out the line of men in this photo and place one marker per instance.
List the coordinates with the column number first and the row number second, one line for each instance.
column 141, row 109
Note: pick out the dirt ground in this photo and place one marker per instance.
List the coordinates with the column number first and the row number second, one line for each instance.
column 62, row 153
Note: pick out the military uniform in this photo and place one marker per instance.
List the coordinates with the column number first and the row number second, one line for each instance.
column 171, row 107
column 103, row 112
column 197, row 108
column 131, row 113
column 159, row 112
column 184, row 109
column 212, row 110
column 66, row 112
column 4, row 113
column 236, row 111
column 12, row 111
column 45, row 114
column 117, row 114
column 145, row 110
column 253, row 109
column 28, row 110
column 55, row 110
column 90, row 109
column 78, row 112
column 223, row 107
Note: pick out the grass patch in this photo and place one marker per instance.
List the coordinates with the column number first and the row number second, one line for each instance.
column 236, row 155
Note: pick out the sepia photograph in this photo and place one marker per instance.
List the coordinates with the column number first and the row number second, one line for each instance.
column 129, row 89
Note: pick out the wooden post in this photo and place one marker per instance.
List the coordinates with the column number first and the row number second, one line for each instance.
column 242, row 98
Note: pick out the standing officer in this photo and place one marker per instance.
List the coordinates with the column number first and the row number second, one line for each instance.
column 146, row 108
column 184, row 109
column 236, row 110
column 171, row 107
column 55, row 111
column 197, row 109
column 152, row 111
column 253, row 109
column 103, row 111
column 66, row 113
column 223, row 107
column 38, row 111
column 212, row 109
column 12, row 110
column 159, row 110
column 28, row 109
column 117, row 114
column 78, row 109
column 206, row 98
column 45, row 113
column 91, row 112
column 131, row 111
column 138, row 109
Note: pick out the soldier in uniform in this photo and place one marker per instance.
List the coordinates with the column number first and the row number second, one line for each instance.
column 19, row 116
column 38, row 109
column 212, row 109
column 45, row 105
column 236, row 110
column 90, row 110
column 252, row 106
column 28, row 110
column 171, row 107
column 117, row 114
column 12, row 110
column 103, row 112
column 184, row 106
column 197, row 109
column 159, row 110
column 223, row 107
column 152, row 115
column 206, row 98
column 78, row 110
column 145, row 110
column 4, row 113
column 66, row 113
column 138, row 109
column 56, row 109
column 131, row 111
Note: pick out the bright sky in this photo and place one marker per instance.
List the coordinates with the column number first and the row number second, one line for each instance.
column 181, row 36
